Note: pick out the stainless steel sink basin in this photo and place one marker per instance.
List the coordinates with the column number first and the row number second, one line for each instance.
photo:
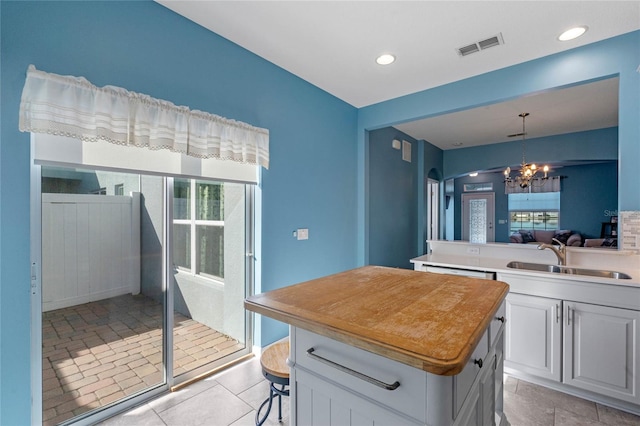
column 558, row 269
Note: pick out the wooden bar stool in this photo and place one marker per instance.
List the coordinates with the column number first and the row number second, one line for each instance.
column 276, row 371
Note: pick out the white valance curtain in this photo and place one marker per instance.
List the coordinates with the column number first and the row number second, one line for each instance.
column 552, row 184
column 73, row 107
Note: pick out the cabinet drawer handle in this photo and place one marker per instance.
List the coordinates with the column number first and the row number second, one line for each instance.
column 354, row 373
column 501, row 319
column 478, row 362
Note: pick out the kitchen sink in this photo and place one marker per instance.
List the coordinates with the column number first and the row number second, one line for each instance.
column 558, row 269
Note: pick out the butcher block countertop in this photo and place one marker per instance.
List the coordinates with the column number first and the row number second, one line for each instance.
column 429, row 321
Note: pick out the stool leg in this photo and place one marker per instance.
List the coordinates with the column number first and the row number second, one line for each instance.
column 280, row 408
column 268, row 400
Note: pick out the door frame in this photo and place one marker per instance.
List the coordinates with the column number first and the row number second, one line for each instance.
column 433, row 209
column 491, row 214
column 169, row 382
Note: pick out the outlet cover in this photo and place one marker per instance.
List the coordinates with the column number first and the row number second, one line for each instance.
column 303, row 233
column 473, row 250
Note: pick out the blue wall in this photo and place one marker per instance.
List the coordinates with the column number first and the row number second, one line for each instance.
column 618, row 56
column 583, row 185
column 601, row 144
column 319, row 176
column 394, row 198
column 397, row 203
column 146, row 48
column 588, row 192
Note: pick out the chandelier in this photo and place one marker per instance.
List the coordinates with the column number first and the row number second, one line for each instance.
column 528, row 172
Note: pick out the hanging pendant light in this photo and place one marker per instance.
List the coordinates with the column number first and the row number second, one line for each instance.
column 528, row 172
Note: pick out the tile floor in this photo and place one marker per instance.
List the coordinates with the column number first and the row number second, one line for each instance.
column 527, row 404
column 232, row 397
column 99, row 352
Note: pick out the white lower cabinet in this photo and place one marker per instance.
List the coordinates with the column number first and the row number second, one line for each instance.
column 533, row 335
column 601, row 347
column 328, row 393
column 584, row 345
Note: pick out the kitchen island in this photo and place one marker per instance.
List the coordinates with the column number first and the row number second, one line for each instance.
column 392, row 346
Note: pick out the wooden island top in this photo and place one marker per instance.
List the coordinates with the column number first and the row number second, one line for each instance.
column 429, row 321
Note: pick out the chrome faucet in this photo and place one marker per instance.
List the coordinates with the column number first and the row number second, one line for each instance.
column 561, row 251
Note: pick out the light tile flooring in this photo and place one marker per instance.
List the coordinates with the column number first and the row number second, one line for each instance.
column 227, row 398
column 232, row 397
column 527, row 404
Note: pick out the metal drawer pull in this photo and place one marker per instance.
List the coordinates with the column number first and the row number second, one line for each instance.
column 478, row 362
column 355, row 373
column 501, row 319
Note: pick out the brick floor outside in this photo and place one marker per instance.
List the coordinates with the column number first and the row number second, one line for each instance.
column 99, row 352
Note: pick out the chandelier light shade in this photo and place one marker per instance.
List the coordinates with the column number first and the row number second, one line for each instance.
column 528, row 172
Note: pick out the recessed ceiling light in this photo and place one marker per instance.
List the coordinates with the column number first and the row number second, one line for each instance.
column 457, row 144
column 573, row 33
column 474, row 174
column 385, row 59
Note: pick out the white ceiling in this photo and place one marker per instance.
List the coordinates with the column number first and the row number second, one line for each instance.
column 333, row 45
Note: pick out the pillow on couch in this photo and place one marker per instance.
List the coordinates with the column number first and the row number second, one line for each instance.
column 516, row 237
column 575, row 240
column 562, row 235
column 527, row 236
column 543, row 236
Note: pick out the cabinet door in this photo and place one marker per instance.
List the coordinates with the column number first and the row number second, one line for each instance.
column 487, row 399
column 320, row 403
column 601, row 345
column 532, row 338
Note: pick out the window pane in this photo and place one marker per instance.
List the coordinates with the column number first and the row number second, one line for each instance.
column 478, row 221
column 181, row 199
column 534, row 211
column 182, row 246
column 210, row 250
column 209, row 201
column 536, row 201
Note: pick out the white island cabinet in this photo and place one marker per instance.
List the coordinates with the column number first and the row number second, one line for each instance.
column 386, row 346
column 342, row 392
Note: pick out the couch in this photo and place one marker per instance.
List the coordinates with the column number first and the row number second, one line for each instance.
column 601, row 242
column 538, row 236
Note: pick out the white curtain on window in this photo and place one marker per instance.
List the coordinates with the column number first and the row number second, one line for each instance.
column 552, row 184
column 73, row 107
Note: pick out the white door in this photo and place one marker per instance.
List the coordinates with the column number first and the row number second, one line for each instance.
column 478, row 217
column 600, row 346
column 533, row 341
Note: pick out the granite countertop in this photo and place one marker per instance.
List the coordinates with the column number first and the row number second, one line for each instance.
column 429, row 321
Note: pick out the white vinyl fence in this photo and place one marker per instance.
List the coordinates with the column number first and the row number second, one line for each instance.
column 90, row 248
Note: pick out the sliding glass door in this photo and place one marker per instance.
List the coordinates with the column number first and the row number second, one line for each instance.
column 141, row 288
column 209, row 253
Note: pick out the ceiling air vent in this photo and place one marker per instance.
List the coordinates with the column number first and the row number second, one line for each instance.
column 480, row 45
column 468, row 50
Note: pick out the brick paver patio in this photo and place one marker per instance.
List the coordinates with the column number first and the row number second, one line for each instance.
column 98, row 352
